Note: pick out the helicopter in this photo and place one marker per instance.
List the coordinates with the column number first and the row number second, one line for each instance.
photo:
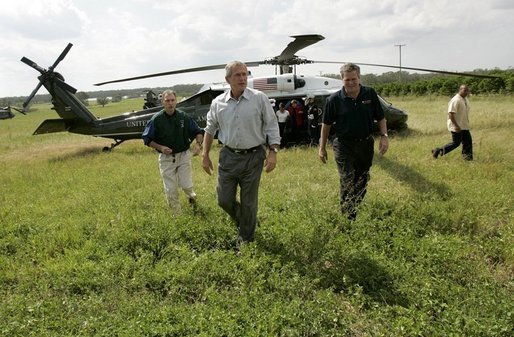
column 75, row 117
column 6, row 112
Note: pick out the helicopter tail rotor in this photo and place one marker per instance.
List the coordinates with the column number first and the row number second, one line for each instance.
column 45, row 74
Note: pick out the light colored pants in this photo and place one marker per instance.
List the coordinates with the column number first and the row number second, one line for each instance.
column 176, row 172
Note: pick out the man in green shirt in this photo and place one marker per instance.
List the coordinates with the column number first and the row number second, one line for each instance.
column 170, row 132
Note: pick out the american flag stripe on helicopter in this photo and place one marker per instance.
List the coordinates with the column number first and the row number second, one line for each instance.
column 265, row 84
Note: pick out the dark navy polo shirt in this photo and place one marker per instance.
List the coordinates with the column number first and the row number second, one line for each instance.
column 176, row 132
column 353, row 118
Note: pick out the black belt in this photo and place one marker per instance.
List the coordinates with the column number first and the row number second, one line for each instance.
column 357, row 139
column 243, row 151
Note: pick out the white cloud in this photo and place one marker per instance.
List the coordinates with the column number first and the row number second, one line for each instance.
column 118, row 39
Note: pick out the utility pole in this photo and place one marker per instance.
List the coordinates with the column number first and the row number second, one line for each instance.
column 400, row 50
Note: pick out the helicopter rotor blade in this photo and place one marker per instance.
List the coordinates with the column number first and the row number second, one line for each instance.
column 411, row 68
column 286, row 57
column 299, row 42
column 61, row 57
column 19, row 110
column 27, row 101
column 173, row 72
column 180, row 71
column 32, row 64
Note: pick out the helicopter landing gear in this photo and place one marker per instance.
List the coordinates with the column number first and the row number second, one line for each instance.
column 113, row 145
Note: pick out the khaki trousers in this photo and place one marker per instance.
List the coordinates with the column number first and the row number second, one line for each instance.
column 176, row 172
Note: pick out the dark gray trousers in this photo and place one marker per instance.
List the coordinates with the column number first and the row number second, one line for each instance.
column 354, row 160
column 243, row 171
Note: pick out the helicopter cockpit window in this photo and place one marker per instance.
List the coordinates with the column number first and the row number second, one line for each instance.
column 299, row 83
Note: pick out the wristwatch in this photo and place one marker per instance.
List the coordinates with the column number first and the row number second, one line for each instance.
column 274, row 149
column 384, row 135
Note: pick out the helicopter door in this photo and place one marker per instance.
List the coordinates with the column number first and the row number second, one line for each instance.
column 289, row 82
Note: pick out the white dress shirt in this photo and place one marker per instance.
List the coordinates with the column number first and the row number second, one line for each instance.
column 244, row 123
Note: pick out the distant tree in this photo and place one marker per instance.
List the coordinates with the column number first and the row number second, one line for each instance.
column 102, row 101
column 116, row 98
column 83, row 97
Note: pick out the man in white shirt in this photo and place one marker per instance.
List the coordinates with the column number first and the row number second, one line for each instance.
column 246, row 123
column 458, row 125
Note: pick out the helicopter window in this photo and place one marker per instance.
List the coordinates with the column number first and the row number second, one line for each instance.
column 299, row 83
column 205, row 99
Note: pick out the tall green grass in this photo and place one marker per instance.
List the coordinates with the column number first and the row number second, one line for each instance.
column 89, row 248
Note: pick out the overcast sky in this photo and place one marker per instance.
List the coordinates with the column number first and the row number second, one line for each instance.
column 123, row 38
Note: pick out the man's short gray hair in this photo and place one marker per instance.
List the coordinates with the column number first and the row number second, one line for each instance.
column 229, row 68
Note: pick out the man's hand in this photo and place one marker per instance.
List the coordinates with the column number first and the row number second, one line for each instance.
column 197, row 148
column 207, row 164
column 271, row 161
column 166, row 150
column 384, row 145
column 322, row 153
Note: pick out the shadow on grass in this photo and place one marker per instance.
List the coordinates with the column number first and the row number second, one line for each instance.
column 358, row 272
column 331, row 264
column 406, row 133
column 413, row 178
column 80, row 153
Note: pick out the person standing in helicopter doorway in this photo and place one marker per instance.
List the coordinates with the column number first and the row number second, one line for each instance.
column 170, row 132
column 313, row 120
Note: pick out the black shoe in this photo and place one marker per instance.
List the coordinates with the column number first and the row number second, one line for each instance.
column 352, row 216
column 192, row 203
column 436, row 152
column 239, row 243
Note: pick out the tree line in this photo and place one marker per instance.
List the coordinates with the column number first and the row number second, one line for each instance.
column 404, row 83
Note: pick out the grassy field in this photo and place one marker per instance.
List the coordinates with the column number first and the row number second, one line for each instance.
column 88, row 247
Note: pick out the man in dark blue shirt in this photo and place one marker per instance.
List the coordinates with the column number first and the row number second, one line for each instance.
column 353, row 110
column 170, row 132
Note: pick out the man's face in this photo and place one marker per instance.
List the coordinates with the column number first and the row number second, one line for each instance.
column 239, row 79
column 169, row 101
column 464, row 90
column 351, row 82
